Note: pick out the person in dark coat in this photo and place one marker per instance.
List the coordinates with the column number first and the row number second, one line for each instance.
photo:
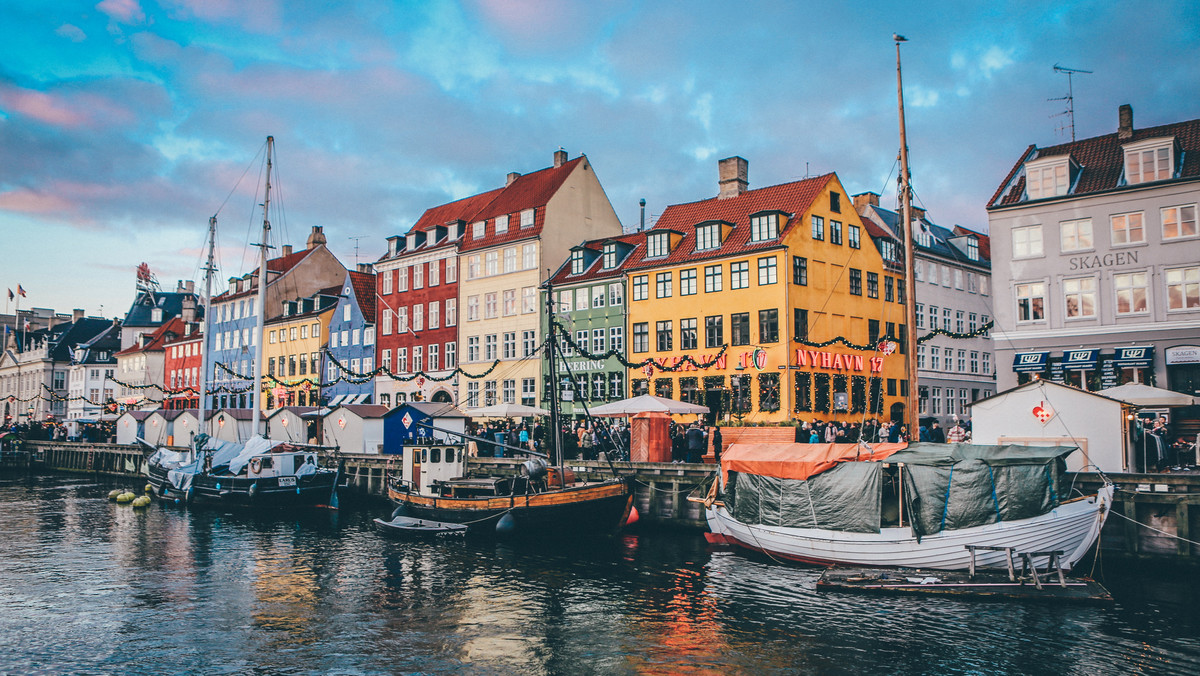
column 936, row 434
column 678, row 450
column 716, row 444
column 694, row 438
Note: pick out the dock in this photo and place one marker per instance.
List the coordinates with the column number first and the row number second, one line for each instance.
column 985, row 584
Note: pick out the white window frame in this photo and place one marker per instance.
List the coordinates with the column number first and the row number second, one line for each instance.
column 1120, row 287
column 1078, row 289
column 1188, row 278
column 1125, row 223
column 1183, row 214
column 1026, row 243
column 1071, row 235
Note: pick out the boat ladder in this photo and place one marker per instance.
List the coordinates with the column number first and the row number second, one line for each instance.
column 1028, row 566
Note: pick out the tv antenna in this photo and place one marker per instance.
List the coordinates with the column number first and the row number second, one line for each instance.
column 356, row 238
column 1070, row 97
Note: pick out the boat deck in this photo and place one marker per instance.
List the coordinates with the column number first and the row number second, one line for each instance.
column 993, row 585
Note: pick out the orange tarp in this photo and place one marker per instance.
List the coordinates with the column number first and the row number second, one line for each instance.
column 798, row 461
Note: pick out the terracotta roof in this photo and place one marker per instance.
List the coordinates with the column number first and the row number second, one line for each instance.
column 792, row 198
column 596, row 270
column 280, row 265
column 155, row 341
column 985, row 242
column 527, row 192
column 1102, row 159
column 364, row 291
column 458, row 210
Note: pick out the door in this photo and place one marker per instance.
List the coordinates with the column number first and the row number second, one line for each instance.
column 714, row 400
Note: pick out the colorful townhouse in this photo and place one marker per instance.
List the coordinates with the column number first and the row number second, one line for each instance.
column 182, row 364
column 293, row 350
column 589, row 292
column 350, row 350
column 756, row 286
column 508, row 250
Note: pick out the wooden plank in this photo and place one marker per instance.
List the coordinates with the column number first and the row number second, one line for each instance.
column 1129, row 509
column 1182, row 530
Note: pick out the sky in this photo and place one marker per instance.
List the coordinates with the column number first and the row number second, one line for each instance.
column 126, row 124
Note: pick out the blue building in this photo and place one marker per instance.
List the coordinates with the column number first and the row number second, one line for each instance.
column 352, row 341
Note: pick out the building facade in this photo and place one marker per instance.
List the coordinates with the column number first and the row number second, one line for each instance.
column 351, row 342
column 952, row 278
column 295, row 341
column 182, row 365
column 90, row 383
column 1098, row 274
column 35, row 365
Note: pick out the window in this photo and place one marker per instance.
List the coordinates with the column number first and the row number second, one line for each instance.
column 739, row 327
column 598, row 296
column 616, row 295
column 921, row 315
column 987, row 363
column 491, row 263
column 418, row 359
column 708, row 236
column 315, row 331
column 501, row 224
column 800, row 270
column 934, row 359
column 1183, row 288
column 712, row 278
column 687, row 334
column 1076, row 235
column 855, row 237
column 872, row 285
column 510, row 259
column 1046, row 180
column 962, row 361
column 419, row 276
column 616, row 385
column 510, row 302
column 509, row 391
column 451, row 311
column 657, row 245
column 489, row 392
column 418, row 320
column 973, row 248
column 489, row 306
column 529, row 256
column 451, row 270
column 528, row 393
column 714, row 333
column 687, row 282
column 489, row 347
column 434, row 314
column 818, row 228
column 472, row 348
column 576, row 261
column 1127, row 229
column 510, row 345
column 641, row 337
column 386, row 283
column 641, row 287
column 664, row 336
column 739, row 275
column 1179, row 222
column 946, row 319
column 1031, row 299
column 768, row 326
column 1027, row 241
column 835, row 202
column 958, row 279
column 889, row 289
column 973, row 323
column 598, row 341
column 1131, row 292
column 764, row 227
column 616, row 339
column 800, row 323
column 434, row 270
column 402, row 359
column 958, row 321
column 528, row 343
column 767, row 271
column 609, row 259
column 1079, row 297
column 835, row 232
column 855, row 282
column 473, row 394
column 478, row 228
column 662, row 285
column 1147, row 164
column 472, row 308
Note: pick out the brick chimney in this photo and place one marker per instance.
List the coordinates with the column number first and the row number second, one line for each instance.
column 865, row 199
column 188, row 311
column 513, row 176
column 560, row 158
column 76, row 314
column 731, row 175
column 317, row 236
column 364, row 268
column 1125, row 122
column 285, row 250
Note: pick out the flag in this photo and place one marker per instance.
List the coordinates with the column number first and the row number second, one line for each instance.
column 20, row 291
column 10, row 294
column 26, row 323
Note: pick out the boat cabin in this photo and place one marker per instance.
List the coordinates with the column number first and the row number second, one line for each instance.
column 425, row 466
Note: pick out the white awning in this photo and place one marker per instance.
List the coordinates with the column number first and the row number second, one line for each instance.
column 336, row 400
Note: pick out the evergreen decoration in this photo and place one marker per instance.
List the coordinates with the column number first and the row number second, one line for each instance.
column 803, row 391
column 583, row 351
column 768, row 392
column 821, row 392
column 858, row 394
column 876, row 384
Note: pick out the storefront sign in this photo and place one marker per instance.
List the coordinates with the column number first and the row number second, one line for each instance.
column 1182, row 354
column 1106, row 261
column 1030, row 362
column 1080, row 360
column 837, row 361
column 680, row 361
column 1134, row 357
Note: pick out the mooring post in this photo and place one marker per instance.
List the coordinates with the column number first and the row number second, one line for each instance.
column 1182, row 528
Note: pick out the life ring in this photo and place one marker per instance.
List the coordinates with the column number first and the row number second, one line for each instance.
column 255, row 465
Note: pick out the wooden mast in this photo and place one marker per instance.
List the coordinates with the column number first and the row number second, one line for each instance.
column 256, row 378
column 912, row 415
column 205, row 332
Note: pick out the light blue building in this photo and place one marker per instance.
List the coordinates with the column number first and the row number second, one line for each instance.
column 351, row 341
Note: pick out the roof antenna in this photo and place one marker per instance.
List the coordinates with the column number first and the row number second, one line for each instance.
column 1069, row 98
column 356, row 238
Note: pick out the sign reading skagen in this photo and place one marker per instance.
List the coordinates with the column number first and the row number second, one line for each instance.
column 1106, row 261
column 1183, row 354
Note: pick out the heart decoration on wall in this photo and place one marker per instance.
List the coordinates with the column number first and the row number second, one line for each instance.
column 1043, row 412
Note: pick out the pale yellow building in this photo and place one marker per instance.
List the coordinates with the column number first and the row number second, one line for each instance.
column 293, row 347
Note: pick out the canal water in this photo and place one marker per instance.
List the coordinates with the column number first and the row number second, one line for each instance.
column 87, row 586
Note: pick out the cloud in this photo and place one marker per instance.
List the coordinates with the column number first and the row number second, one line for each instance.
column 122, row 11
column 45, row 108
column 71, row 32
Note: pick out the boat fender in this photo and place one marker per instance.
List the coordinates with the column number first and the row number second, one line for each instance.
column 297, row 489
column 633, row 516
column 402, row 510
column 149, row 488
column 506, row 526
column 219, row 483
column 253, row 490
column 112, row 495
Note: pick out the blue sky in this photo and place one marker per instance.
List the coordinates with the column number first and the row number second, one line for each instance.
column 125, row 124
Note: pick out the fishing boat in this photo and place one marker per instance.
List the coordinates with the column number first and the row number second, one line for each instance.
column 544, row 499
column 916, row 505
column 261, row 471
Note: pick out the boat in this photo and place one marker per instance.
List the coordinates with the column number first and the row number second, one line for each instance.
column 542, row 500
column 916, row 505
column 260, row 472
column 405, row 525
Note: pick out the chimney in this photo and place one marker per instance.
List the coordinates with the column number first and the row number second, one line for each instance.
column 642, row 223
column 286, row 250
column 316, row 237
column 865, row 199
column 191, row 286
column 1125, row 122
column 76, row 314
column 364, row 268
column 188, row 312
column 560, row 157
column 731, row 174
column 513, row 176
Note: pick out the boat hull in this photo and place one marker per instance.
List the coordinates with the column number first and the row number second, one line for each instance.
column 599, row 509
column 308, row 490
column 1072, row 527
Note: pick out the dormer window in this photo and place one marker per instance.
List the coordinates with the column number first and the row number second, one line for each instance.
column 922, row 235
column 658, row 245
column 412, row 241
column 610, row 256
column 477, row 229
column 973, row 247
column 1048, row 177
column 156, row 315
column 501, row 224
column 708, row 236
column 527, row 218
column 1150, row 160
column 764, row 227
column 577, row 262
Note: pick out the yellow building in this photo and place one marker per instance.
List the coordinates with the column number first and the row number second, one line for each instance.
column 769, row 276
column 293, row 347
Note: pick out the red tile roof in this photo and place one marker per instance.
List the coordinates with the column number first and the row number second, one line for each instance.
column 792, row 198
column 154, row 342
column 458, row 210
column 1102, row 159
column 596, row 270
column 279, row 265
column 531, row 191
column 364, row 291
column 985, row 242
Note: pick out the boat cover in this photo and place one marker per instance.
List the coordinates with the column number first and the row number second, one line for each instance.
column 224, row 454
column 946, row 486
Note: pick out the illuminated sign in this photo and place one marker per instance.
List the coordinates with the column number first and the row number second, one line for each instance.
column 837, row 361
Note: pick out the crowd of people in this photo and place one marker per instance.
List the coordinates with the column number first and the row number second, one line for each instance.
column 581, row 440
column 875, row 431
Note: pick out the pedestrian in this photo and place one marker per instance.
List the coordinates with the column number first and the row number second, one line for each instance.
column 814, row 437
column 830, row 433
column 956, row 434
column 694, row 438
column 716, row 444
column 936, row 434
column 678, row 450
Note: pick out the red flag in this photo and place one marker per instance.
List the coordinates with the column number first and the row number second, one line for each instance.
column 21, row 290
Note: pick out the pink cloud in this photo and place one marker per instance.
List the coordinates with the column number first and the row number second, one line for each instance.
column 42, row 107
column 71, row 32
column 124, row 11
column 260, row 16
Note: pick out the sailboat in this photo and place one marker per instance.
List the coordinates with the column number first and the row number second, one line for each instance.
column 941, row 506
column 545, row 501
column 260, row 472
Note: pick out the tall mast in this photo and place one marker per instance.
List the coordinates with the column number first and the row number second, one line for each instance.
column 260, row 315
column 205, row 334
column 551, row 345
column 912, row 415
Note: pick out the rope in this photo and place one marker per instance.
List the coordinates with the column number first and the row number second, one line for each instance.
column 1161, row 532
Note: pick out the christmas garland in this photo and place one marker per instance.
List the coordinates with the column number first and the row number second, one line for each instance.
column 614, row 353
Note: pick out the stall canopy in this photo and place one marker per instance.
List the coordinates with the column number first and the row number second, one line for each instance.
column 798, row 461
column 648, row 403
column 1145, row 395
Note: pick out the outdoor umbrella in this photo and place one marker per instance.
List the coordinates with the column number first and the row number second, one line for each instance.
column 1144, row 395
column 506, row 411
column 647, row 403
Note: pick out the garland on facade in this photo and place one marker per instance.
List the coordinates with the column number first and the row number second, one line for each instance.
column 981, row 331
column 873, row 347
column 616, row 354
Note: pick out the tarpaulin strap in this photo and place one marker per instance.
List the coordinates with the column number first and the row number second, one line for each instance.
column 1050, row 481
column 946, row 505
column 811, row 509
column 995, row 500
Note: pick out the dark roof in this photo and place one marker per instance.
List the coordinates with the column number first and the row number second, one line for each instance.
column 63, row 338
column 939, row 236
column 298, row 410
column 171, row 304
column 1102, row 160
column 793, row 199
column 595, row 270
column 364, row 291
